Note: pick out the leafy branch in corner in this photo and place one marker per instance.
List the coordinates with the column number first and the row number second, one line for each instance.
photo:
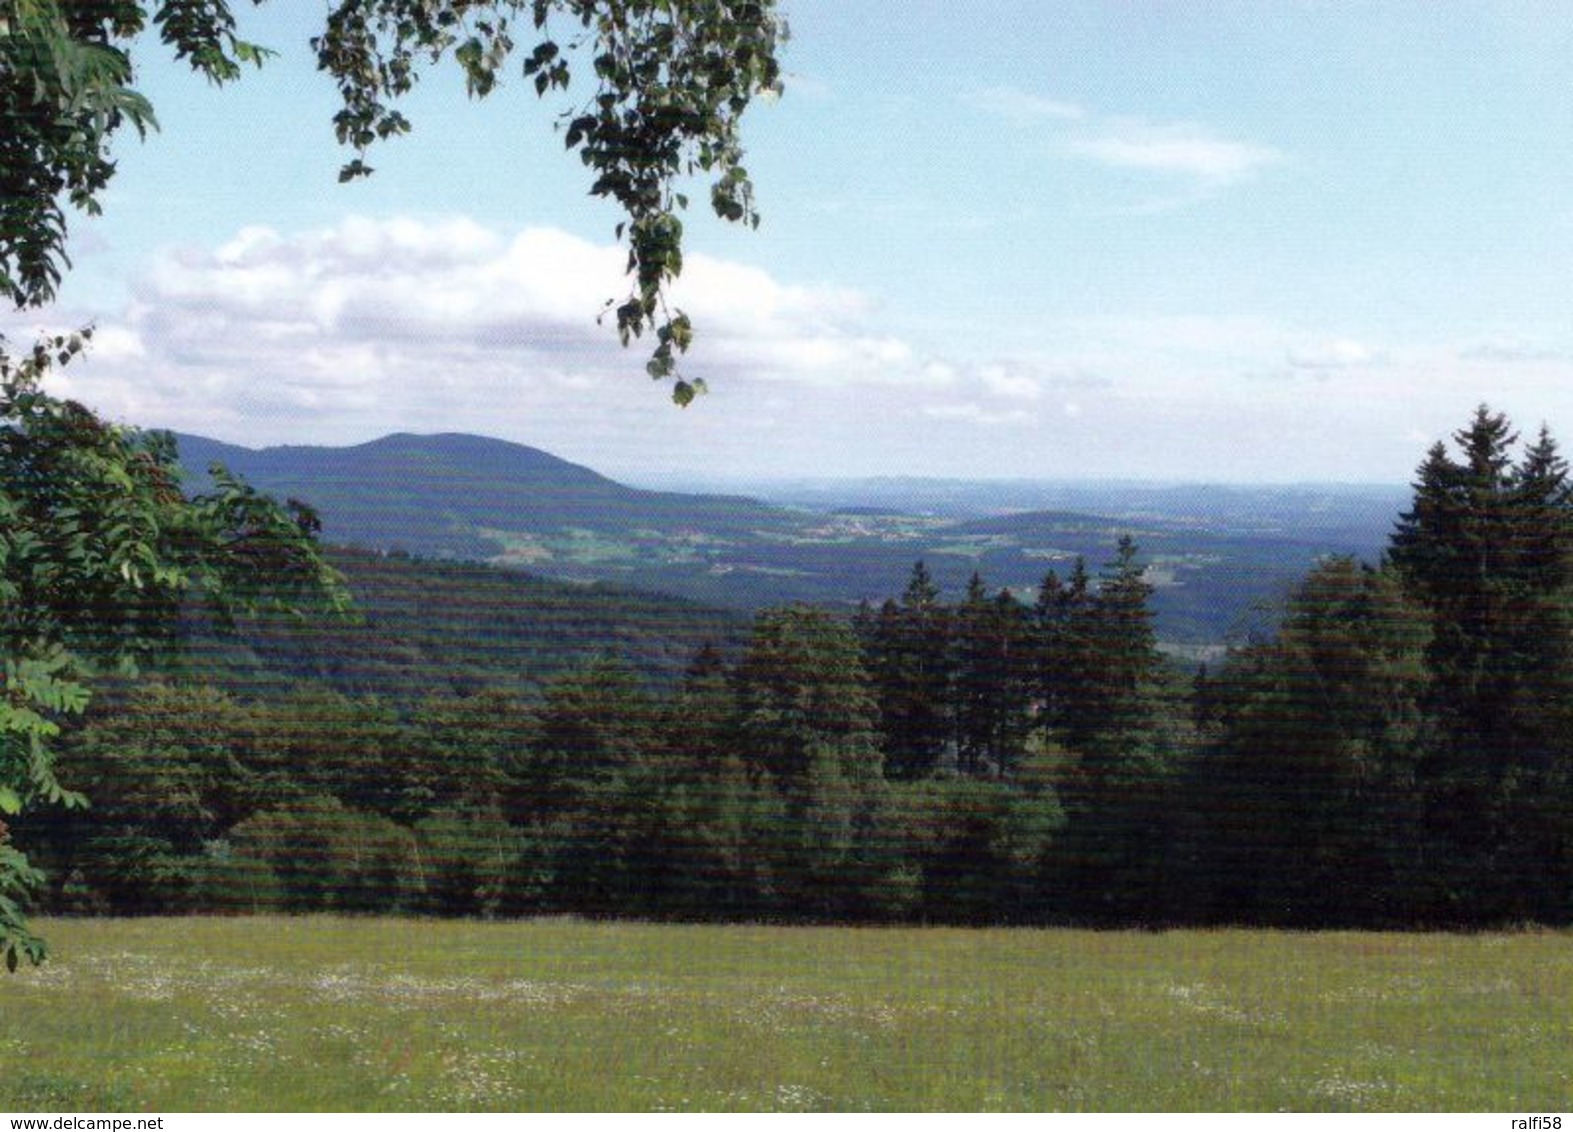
column 669, row 83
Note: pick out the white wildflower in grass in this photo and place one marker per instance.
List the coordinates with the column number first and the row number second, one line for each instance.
column 338, row 986
column 798, row 1098
column 1201, row 998
column 1340, row 1088
column 260, row 1042
column 54, row 975
column 338, row 1032
column 481, row 1080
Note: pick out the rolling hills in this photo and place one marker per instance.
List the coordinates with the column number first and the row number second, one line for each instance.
column 1220, row 557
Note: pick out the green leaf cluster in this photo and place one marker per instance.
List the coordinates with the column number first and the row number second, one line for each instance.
column 671, row 81
column 65, row 90
column 99, row 550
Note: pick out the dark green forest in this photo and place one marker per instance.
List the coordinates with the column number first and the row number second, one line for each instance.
column 1397, row 753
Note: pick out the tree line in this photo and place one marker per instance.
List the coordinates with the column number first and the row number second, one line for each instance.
column 1398, row 753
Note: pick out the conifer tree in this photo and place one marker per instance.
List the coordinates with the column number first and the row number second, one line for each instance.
column 1059, row 622
column 911, row 667
column 993, row 681
column 1115, row 796
column 1485, row 551
column 1110, row 646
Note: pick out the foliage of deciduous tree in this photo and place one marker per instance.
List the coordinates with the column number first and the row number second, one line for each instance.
column 99, row 549
column 662, row 88
column 468, row 856
column 1305, row 788
column 322, row 856
column 320, row 743
column 462, row 750
column 718, row 807
column 169, row 759
column 809, row 722
column 978, row 848
column 585, row 788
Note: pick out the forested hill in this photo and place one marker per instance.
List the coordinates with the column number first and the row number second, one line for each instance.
column 454, row 495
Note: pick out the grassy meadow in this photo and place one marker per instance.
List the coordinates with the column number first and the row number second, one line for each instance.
column 328, row 1013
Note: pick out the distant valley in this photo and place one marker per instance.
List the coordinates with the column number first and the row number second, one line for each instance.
column 1220, row 557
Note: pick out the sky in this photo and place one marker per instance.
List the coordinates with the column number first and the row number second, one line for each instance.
column 1205, row 242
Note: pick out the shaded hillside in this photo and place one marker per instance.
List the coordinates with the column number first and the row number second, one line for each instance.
column 452, row 627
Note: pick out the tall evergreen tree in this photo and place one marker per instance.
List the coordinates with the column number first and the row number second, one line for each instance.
column 1115, row 795
column 993, row 681
column 1060, row 619
column 1485, row 550
column 911, row 667
column 1112, row 645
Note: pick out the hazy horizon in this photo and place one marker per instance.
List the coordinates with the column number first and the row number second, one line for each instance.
column 700, row 481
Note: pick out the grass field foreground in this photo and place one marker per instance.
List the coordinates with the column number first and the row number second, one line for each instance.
column 344, row 1014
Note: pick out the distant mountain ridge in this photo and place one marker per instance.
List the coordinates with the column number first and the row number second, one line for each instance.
column 475, row 456
column 440, row 495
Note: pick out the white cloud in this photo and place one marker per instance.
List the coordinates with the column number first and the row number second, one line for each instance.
column 1333, row 353
column 1188, row 150
column 1182, row 149
column 973, row 413
column 370, row 297
column 117, row 343
column 372, row 326
column 1510, row 349
column 376, row 325
column 1009, row 381
column 1021, row 106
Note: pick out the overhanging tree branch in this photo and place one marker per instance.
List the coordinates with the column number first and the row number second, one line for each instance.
column 669, row 82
